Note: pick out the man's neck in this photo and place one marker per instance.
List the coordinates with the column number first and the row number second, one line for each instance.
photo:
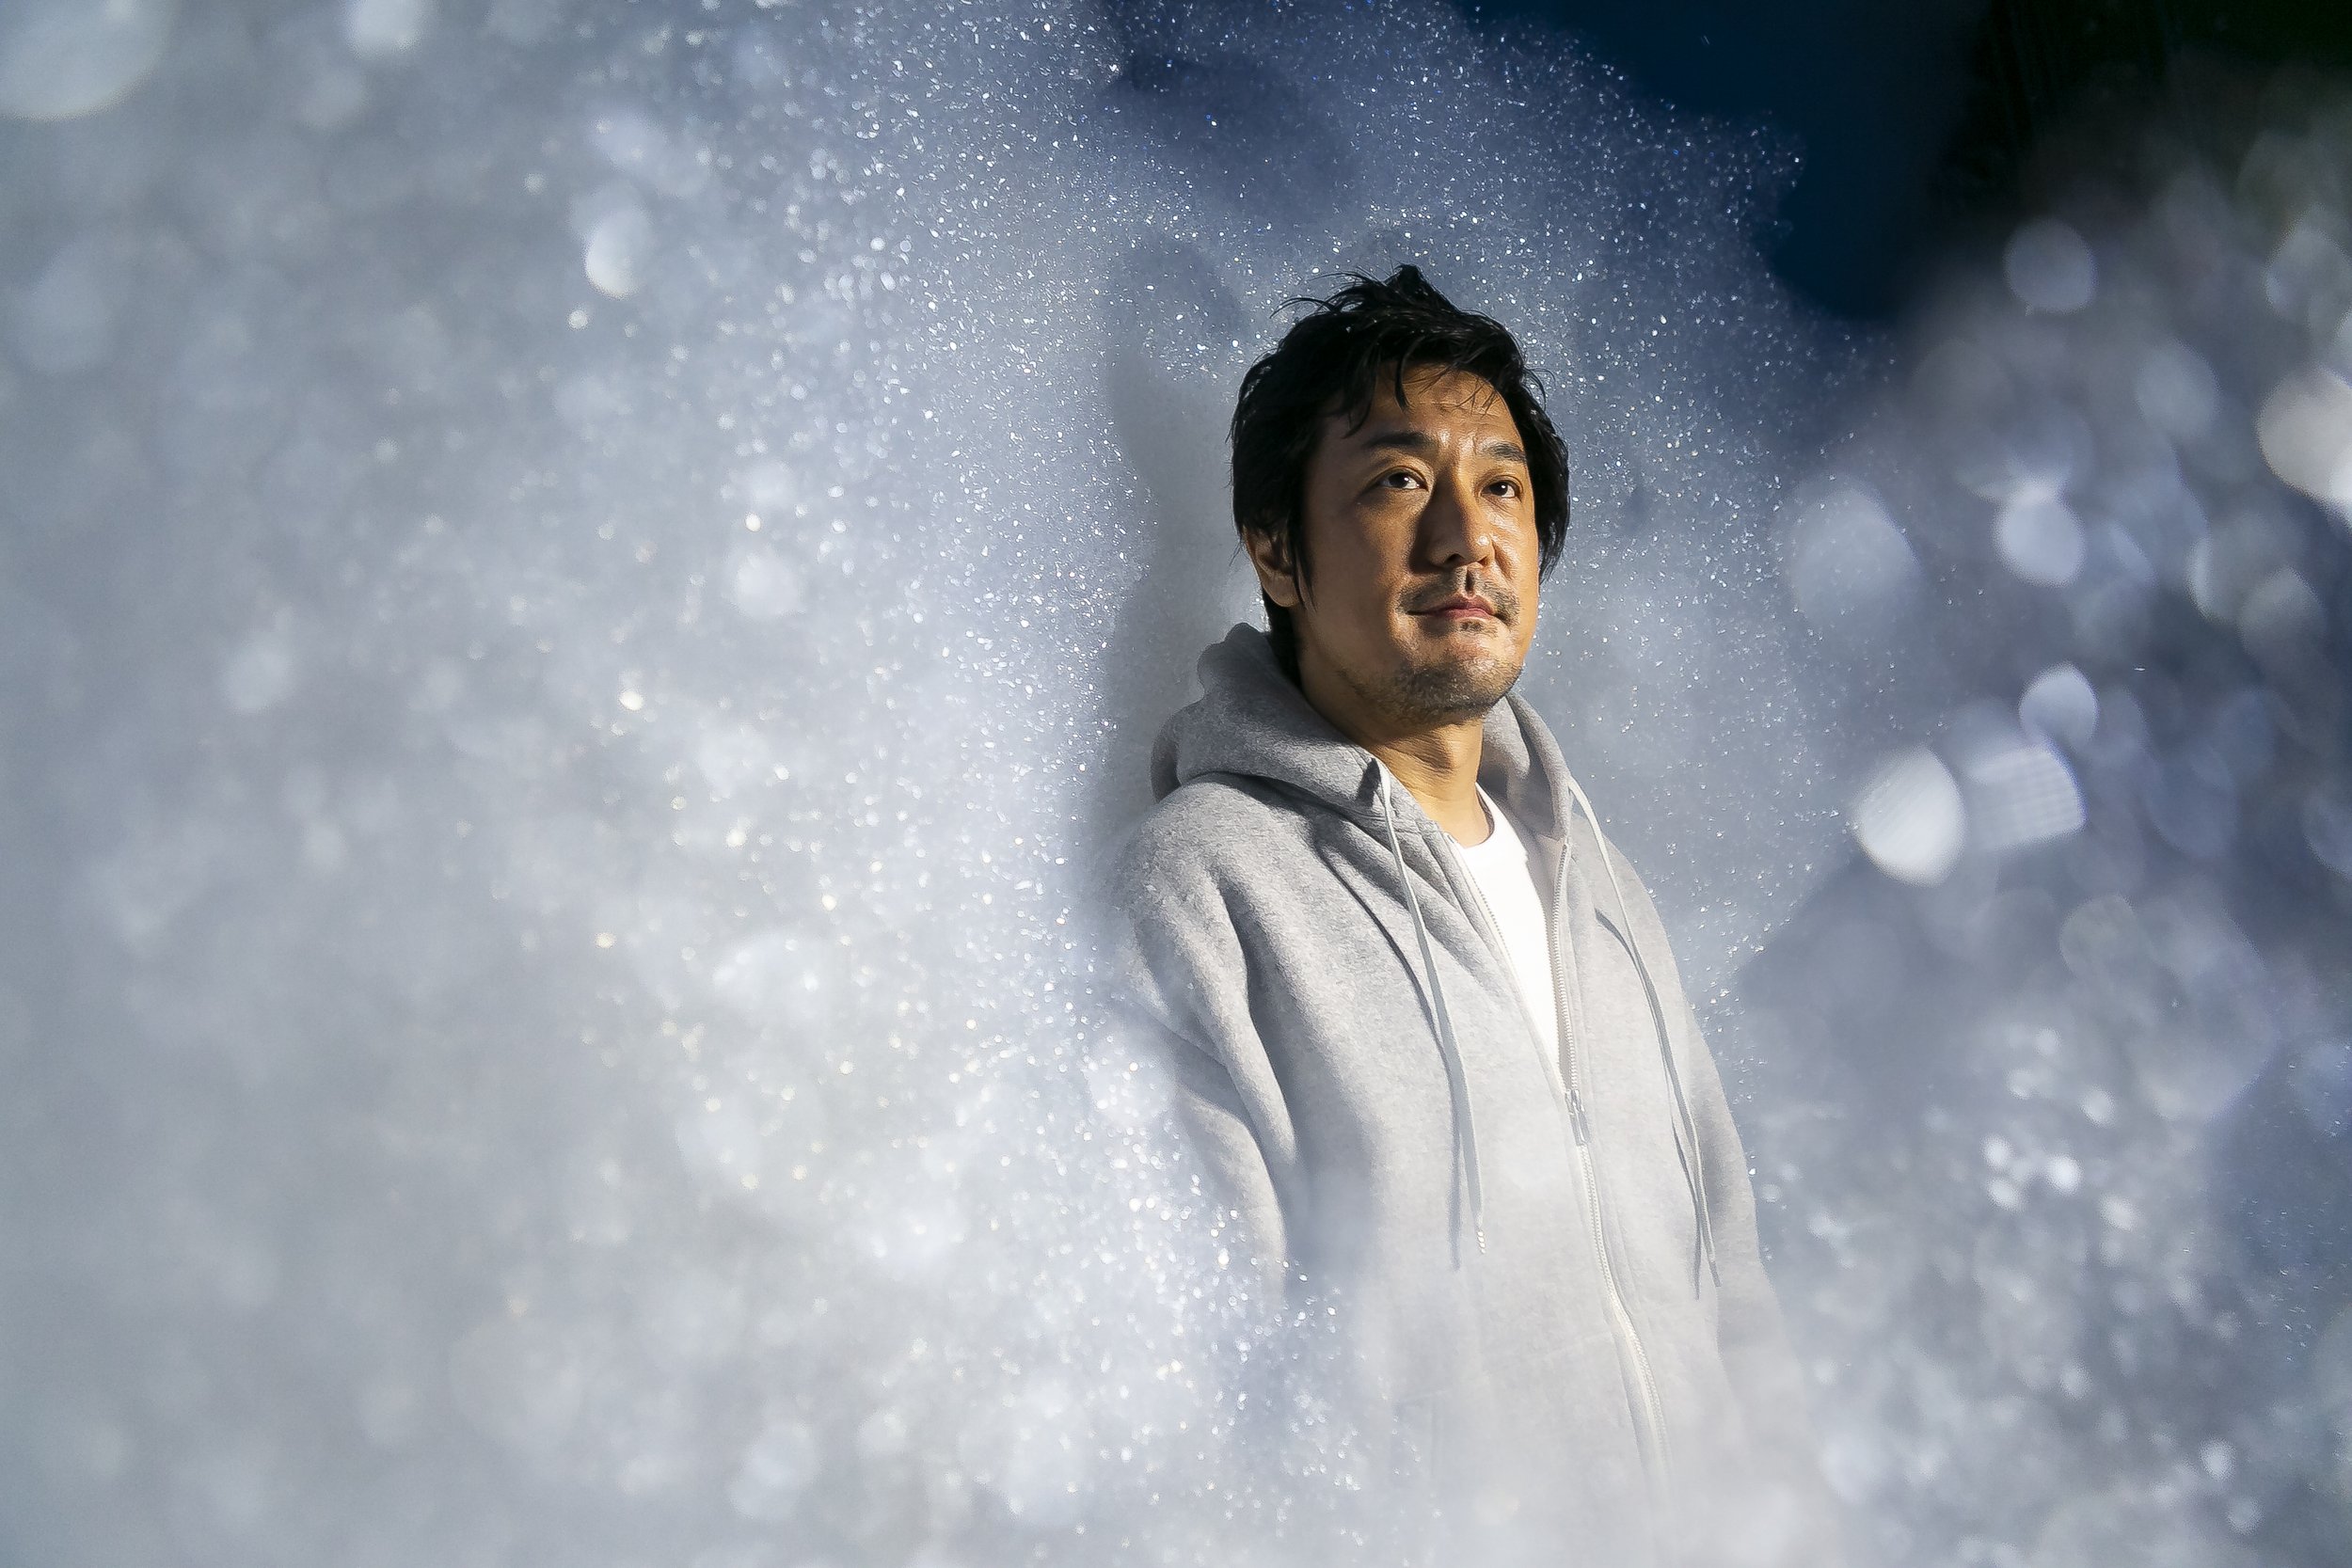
column 1440, row 769
column 1437, row 764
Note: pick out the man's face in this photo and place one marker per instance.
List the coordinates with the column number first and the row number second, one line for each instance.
column 1421, row 531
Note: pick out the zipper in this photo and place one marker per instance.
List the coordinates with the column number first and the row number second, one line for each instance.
column 1650, row 1416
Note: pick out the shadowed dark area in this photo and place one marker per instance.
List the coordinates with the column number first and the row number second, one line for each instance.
column 1913, row 122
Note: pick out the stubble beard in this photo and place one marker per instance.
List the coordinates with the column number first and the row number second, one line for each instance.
column 1455, row 690
column 1424, row 697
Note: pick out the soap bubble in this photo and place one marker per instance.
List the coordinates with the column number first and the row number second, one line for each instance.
column 2018, row 792
column 638, row 147
column 763, row 585
column 620, row 246
column 2309, row 278
column 2192, row 801
column 1844, row 557
column 2306, row 432
column 261, row 673
column 2060, row 703
column 2176, row 390
column 2041, row 539
column 2049, row 266
column 382, row 30
column 1908, row 818
column 2282, row 623
column 60, row 59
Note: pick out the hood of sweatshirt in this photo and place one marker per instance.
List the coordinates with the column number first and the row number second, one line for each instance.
column 1252, row 723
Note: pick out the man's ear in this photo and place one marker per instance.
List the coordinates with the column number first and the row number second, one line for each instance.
column 1271, row 557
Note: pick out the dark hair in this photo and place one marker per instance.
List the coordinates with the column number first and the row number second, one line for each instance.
column 1330, row 361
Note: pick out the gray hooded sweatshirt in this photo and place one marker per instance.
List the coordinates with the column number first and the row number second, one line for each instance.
column 1558, row 1322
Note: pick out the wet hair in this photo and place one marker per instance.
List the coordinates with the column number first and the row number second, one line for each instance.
column 1330, row 361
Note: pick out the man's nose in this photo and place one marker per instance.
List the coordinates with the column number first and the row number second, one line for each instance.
column 1454, row 529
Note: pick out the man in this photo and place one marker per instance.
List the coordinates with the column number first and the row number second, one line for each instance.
column 1426, row 1040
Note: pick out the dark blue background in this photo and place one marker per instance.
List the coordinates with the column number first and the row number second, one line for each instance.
column 1916, row 120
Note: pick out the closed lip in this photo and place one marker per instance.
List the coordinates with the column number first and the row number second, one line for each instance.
column 1459, row 604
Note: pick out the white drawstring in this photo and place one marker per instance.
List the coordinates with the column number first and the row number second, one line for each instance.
column 1693, row 1172
column 1464, row 1122
column 1464, row 1119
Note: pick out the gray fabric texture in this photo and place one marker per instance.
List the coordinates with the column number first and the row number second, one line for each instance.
column 1567, row 1341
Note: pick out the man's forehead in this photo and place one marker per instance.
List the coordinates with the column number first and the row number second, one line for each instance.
column 1432, row 393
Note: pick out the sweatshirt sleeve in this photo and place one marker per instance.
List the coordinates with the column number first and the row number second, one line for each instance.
column 1179, row 983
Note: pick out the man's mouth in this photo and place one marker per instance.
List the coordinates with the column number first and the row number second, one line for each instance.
column 1460, row 607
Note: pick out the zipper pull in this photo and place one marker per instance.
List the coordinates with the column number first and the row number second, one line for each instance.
column 1576, row 1118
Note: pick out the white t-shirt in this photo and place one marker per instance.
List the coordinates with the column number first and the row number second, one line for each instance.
column 1506, row 876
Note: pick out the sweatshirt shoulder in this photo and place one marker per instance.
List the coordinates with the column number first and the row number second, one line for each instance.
column 1205, row 834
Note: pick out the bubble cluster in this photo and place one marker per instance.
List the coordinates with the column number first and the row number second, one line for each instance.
column 2054, row 1086
column 586, row 582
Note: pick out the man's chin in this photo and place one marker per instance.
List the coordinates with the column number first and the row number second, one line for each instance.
column 1450, row 690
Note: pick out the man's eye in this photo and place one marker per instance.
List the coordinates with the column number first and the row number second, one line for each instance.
column 1399, row 479
column 1507, row 487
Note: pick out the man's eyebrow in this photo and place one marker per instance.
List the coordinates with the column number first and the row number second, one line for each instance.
column 1416, row 441
column 1420, row 442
